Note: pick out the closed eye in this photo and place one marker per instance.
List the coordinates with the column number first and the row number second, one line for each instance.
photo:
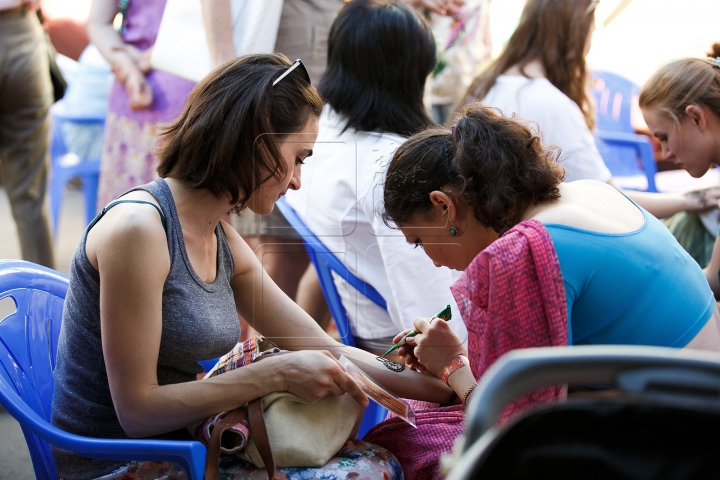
column 301, row 161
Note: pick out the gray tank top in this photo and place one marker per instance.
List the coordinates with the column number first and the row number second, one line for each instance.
column 199, row 322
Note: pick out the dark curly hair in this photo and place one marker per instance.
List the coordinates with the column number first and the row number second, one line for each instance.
column 496, row 164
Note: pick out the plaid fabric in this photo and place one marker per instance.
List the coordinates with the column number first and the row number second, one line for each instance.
column 245, row 353
column 235, row 438
column 511, row 296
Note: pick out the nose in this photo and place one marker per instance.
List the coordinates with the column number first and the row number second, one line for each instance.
column 295, row 182
column 666, row 153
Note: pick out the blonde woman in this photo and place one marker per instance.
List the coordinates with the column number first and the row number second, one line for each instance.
column 681, row 106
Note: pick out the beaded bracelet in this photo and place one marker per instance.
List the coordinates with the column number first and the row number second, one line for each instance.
column 456, row 364
column 467, row 395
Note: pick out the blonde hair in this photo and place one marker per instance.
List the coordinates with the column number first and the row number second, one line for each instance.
column 553, row 32
column 680, row 83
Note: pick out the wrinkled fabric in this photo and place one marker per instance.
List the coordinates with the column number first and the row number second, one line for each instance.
column 419, row 450
column 511, row 296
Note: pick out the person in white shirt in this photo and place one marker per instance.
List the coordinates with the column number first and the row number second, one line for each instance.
column 540, row 76
column 379, row 57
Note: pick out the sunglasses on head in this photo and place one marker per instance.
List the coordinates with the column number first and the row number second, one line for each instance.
column 592, row 6
column 298, row 65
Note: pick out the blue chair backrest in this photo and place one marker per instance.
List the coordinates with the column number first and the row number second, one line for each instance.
column 66, row 166
column 613, row 97
column 59, row 117
column 28, row 343
column 325, row 262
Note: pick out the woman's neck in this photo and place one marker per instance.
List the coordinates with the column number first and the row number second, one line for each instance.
column 199, row 208
column 532, row 69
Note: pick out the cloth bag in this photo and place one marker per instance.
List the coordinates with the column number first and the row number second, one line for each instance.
column 279, row 429
column 181, row 47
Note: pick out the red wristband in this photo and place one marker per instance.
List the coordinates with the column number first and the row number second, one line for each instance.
column 456, row 364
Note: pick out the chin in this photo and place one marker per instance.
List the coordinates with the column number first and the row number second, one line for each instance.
column 696, row 172
column 262, row 210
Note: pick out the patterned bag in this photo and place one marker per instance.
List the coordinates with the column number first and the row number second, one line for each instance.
column 281, row 422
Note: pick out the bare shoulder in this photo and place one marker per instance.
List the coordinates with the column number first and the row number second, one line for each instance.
column 133, row 230
column 590, row 205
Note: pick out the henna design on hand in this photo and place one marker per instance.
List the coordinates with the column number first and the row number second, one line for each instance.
column 700, row 196
column 392, row 366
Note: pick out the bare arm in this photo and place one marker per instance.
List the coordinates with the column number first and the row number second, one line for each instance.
column 663, row 205
column 128, row 63
column 129, row 248
column 217, row 19
column 277, row 317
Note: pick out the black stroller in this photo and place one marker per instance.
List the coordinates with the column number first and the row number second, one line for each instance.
column 662, row 422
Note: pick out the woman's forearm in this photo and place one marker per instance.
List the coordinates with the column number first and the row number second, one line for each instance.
column 168, row 408
column 288, row 326
column 217, row 18
column 660, row 205
column 100, row 29
column 405, row 384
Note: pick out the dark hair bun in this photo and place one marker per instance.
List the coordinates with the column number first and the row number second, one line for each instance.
column 714, row 50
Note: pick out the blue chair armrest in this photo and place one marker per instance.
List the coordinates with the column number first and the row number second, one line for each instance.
column 641, row 143
column 188, row 454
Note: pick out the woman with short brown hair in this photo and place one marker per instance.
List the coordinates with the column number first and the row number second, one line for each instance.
column 159, row 279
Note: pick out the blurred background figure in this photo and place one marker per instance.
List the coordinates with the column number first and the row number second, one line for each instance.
column 373, row 103
column 140, row 98
column 25, row 98
column 541, row 76
column 87, row 95
column 681, row 106
column 464, row 44
column 302, row 33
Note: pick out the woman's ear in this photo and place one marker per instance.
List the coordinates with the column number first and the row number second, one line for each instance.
column 696, row 115
column 443, row 204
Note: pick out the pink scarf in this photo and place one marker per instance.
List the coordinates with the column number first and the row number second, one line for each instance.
column 511, row 296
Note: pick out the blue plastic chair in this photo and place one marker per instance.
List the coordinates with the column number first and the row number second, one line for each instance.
column 28, row 345
column 626, row 153
column 64, row 165
column 325, row 263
